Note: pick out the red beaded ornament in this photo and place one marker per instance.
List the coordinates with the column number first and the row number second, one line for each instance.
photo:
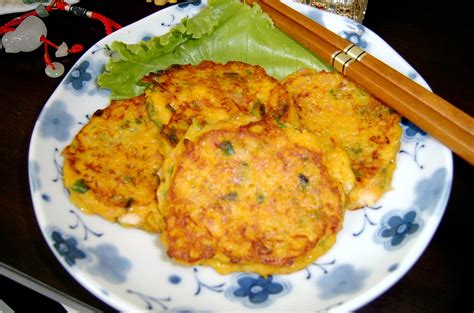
column 30, row 24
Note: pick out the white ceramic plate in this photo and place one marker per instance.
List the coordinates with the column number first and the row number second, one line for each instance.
column 129, row 270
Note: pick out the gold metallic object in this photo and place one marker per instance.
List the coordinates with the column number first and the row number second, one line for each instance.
column 341, row 61
column 355, row 52
column 353, row 9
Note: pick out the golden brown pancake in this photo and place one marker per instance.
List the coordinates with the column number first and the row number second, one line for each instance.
column 210, row 92
column 254, row 175
column 110, row 168
column 331, row 106
column 246, row 195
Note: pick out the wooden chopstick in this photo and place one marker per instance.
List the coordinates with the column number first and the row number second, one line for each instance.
column 433, row 114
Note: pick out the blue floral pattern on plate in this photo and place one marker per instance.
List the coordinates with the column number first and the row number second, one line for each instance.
column 56, row 122
column 79, row 76
column 110, row 264
column 201, row 285
column 397, row 227
column 129, row 269
column 103, row 260
column 429, row 191
column 344, row 279
column 185, row 4
column 67, row 248
column 355, row 35
column 256, row 291
column 411, row 131
column 151, row 302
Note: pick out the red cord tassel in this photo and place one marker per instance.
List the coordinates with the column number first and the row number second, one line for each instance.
column 109, row 25
column 46, row 57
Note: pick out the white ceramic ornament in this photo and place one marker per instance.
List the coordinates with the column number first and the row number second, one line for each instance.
column 54, row 69
column 26, row 37
column 62, row 50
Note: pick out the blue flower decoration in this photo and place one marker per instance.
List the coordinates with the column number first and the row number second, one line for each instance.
column 355, row 36
column 343, row 279
column 110, row 264
column 67, row 248
column 56, row 122
column 189, row 2
column 256, row 291
column 411, row 131
column 428, row 191
column 396, row 227
column 79, row 76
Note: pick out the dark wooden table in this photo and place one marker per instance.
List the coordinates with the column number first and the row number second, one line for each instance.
column 432, row 38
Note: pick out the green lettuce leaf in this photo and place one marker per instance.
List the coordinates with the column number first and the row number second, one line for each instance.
column 226, row 30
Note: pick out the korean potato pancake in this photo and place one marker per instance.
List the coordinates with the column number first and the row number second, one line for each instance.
column 210, row 92
column 331, row 106
column 236, row 170
column 110, row 167
column 256, row 196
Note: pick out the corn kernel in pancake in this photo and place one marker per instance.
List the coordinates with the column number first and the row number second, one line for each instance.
column 330, row 105
column 210, row 92
column 258, row 197
column 110, row 168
